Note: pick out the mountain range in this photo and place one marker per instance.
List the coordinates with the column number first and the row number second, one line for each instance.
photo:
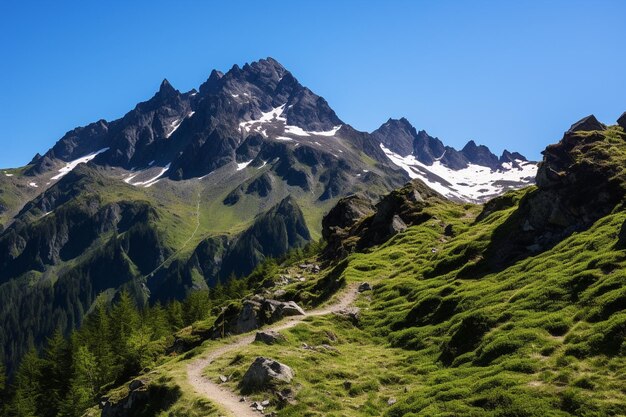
column 384, row 273
column 190, row 189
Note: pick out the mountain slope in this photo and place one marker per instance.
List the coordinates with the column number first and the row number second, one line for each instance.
column 541, row 335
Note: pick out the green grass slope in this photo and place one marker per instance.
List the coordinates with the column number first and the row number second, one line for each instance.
column 449, row 330
column 543, row 337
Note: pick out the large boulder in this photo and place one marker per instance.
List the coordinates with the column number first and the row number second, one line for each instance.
column 248, row 318
column 269, row 337
column 253, row 314
column 345, row 214
column 265, row 374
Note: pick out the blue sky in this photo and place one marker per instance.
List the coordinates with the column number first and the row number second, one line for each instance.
column 507, row 74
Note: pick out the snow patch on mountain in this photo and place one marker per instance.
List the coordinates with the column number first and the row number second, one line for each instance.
column 476, row 183
column 275, row 116
column 296, row 130
column 69, row 166
column 149, row 182
column 267, row 117
column 331, row 132
column 176, row 124
column 242, row 165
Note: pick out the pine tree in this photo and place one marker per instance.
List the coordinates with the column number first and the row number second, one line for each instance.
column 125, row 320
column 55, row 366
column 175, row 314
column 27, row 394
column 158, row 318
column 83, row 386
column 196, row 306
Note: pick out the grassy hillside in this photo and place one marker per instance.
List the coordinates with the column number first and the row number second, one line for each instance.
column 513, row 308
column 472, row 311
column 543, row 337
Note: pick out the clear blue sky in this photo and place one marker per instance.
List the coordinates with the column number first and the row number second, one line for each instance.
column 511, row 74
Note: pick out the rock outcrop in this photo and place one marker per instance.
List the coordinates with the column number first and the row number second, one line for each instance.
column 622, row 120
column 253, row 314
column 579, row 181
column 347, row 212
column 347, row 227
column 265, row 374
column 143, row 398
column 586, row 124
column 269, row 337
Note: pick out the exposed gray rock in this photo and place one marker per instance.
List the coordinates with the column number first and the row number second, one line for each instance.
column 364, row 286
column 265, row 374
column 248, row 319
column 346, row 213
column 397, row 225
column 351, row 313
column 622, row 120
column 255, row 312
column 136, row 384
column 290, row 308
column 269, row 337
column 586, row 124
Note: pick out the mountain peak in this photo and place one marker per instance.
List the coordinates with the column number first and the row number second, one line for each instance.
column 166, row 87
column 586, row 124
column 469, row 145
column 267, row 64
column 211, row 84
column 215, row 75
column 480, row 155
column 397, row 135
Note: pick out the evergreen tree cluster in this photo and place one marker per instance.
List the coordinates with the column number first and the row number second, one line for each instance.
column 114, row 344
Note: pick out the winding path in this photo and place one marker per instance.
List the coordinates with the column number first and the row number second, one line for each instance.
column 226, row 398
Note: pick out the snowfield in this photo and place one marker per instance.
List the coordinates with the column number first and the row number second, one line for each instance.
column 275, row 116
column 475, row 184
